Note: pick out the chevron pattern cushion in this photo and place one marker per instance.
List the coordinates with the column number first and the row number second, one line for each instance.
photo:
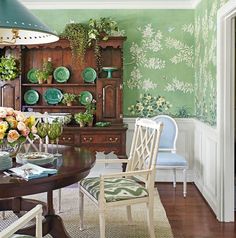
column 116, row 189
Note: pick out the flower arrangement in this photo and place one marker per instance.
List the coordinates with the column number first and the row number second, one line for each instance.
column 149, row 106
column 15, row 127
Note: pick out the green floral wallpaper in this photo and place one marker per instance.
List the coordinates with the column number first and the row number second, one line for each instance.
column 205, row 59
column 158, row 56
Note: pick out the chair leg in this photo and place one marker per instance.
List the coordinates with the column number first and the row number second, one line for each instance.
column 59, row 200
column 102, row 223
column 129, row 215
column 81, row 210
column 3, row 215
column 174, row 178
column 184, row 183
column 150, row 220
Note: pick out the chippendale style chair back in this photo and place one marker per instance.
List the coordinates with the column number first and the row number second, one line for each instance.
column 167, row 157
column 123, row 189
column 36, row 212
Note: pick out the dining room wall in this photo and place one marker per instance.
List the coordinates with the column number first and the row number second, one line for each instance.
column 158, row 56
column 205, row 60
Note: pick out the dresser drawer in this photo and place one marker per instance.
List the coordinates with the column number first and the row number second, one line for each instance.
column 100, row 139
column 66, row 139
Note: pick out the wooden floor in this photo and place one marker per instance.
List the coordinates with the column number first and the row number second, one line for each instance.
column 191, row 217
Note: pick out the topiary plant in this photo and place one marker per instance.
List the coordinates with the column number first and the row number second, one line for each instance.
column 9, row 68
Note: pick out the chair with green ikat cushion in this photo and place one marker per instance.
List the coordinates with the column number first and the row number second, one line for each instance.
column 125, row 189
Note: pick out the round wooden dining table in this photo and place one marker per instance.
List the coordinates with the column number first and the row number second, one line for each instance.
column 74, row 165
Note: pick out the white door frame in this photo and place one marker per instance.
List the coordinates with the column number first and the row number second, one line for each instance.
column 225, row 110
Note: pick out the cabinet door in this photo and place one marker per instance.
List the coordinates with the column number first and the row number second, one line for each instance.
column 10, row 94
column 109, row 100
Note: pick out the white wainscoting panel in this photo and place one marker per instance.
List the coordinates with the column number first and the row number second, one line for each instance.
column 185, row 145
column 205, row 162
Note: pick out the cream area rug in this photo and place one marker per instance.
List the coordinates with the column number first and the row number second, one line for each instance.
column 116, row 219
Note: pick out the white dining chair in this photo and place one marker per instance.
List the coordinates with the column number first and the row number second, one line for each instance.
column 36, row 212
column 125, row 189
column 168, row 158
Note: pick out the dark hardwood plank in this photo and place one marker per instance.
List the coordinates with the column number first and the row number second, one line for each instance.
column 192, row 217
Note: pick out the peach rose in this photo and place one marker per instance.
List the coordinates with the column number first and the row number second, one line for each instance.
column 20, row 117
column 25, row 132
column 10, row 111
column 2, row 135
column 21, row 126
column 12, row 121
column 34, row 129
column 3, row 112
column 12, row 136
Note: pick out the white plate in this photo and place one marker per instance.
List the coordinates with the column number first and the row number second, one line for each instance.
column 38, row 158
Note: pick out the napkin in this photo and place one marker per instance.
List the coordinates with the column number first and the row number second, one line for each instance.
column 31, row 171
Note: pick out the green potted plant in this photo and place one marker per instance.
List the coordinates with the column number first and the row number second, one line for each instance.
column 91, row 107
column 41, row 76
column 77, row 34
column 68, row 98
column 84, row 119
column 88, row 119
column 48, row 69
column 9, row 68
column 80, row 119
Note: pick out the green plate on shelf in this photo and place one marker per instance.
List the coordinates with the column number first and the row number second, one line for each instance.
column 31, row 97
column 85, row 97
column 89, row 75
column 31, row 76
column 53, row 96
column 61, row 74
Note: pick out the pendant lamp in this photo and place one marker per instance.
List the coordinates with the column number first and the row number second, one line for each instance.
column 18, row 26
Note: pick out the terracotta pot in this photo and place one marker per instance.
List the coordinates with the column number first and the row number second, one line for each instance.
column 90, row 123
column 82, row 124
column 49, row 79
column 69, row 104
column 41, row 81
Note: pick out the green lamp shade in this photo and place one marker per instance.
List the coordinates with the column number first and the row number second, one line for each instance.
column 30, row 30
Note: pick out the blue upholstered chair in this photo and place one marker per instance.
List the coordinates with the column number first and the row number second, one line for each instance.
column 167, row 157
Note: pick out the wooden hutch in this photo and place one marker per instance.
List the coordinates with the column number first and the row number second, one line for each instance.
column 108, row 92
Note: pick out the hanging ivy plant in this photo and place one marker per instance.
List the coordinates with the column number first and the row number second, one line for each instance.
column 77, row 34
column 100, row 30
column 83, row 36
column 9, row 68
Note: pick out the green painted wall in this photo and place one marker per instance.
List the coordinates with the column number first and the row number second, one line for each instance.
column 205, row 59
column 158, row 56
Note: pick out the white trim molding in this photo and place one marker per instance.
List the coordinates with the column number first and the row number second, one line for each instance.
column 225, row 109
column 106, row 4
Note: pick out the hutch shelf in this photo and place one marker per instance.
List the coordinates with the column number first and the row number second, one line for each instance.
column 108, row 92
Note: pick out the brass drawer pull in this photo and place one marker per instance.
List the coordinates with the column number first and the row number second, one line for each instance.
column 111, row 139
column 64, row 138
column 88, row 139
